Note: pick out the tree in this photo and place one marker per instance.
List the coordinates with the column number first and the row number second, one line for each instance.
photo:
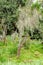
column 28, row 20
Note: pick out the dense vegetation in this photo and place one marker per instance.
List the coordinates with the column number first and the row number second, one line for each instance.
column 21, row 31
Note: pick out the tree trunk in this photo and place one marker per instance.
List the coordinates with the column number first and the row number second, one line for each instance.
column 4, row 33
column 20, row 46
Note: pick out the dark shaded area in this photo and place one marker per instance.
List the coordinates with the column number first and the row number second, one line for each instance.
column 14, row 28
column 36, row 34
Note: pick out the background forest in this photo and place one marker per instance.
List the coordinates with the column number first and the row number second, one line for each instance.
column 21, row 32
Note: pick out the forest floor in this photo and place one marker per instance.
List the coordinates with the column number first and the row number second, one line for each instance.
column 31, row 53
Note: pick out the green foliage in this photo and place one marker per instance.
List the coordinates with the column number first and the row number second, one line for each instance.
column 32, row 50
column 1, row 43
column 39, row 8
column 29, row 51
column 3, row 58
column 27, row 44
column 22, row 2
column 9, row 12
column 35, row 5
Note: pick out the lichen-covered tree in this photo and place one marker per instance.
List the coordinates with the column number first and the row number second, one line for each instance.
column 28, row 20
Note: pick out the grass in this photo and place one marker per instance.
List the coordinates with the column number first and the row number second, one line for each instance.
column 31, row 53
